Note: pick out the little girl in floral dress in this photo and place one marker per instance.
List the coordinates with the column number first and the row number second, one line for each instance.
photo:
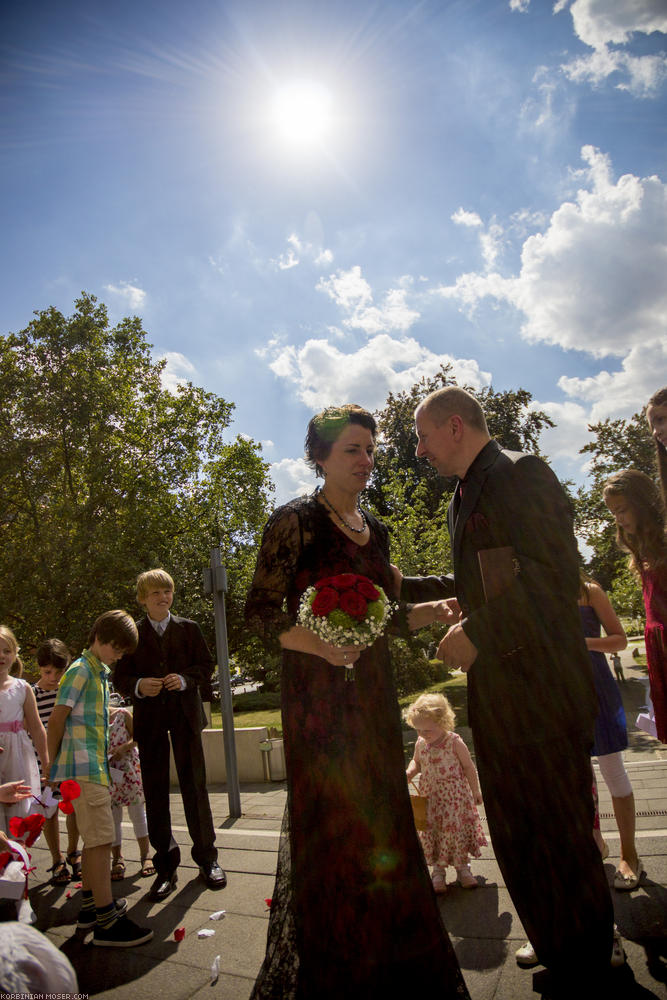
column 449, row 780
column 126, row 790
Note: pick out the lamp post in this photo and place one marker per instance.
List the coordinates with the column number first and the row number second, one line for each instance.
column 215, row 583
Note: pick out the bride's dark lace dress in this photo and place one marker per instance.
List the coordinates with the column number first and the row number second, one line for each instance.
column 353, row 912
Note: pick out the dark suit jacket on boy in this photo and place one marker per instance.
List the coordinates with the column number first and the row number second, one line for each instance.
column 178, row 715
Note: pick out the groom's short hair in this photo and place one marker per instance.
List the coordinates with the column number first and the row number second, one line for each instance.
column 444, row 403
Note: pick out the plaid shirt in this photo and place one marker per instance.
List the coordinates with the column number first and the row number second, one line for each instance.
column 84, row 689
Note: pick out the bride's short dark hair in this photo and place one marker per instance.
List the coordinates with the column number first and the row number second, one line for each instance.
column 326, row 427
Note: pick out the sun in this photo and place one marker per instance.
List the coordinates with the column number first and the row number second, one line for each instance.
column 302, row 114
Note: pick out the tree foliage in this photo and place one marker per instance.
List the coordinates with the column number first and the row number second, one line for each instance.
column 618, row 444
column 106, row 474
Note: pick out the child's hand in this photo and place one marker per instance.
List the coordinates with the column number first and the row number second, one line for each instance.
column 478, row 798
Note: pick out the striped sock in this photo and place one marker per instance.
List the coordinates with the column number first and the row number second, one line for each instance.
column 106, row 916
column 87, row 904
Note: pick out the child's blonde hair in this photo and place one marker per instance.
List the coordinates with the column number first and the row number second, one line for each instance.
column 153, row 579
column 435, row 708
column 16, row 669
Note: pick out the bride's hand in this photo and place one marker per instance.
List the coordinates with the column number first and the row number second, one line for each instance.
column 339, row 656
column 447, row 612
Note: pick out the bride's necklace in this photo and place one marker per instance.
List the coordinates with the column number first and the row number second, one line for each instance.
column 358, row 531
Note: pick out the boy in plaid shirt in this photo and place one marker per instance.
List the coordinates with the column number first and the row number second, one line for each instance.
column 78, row 747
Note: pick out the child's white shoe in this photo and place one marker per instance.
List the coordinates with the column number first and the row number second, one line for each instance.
column 525, row 955
column 439, row 883
column 466, row 878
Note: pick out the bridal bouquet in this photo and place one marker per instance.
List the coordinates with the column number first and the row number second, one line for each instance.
column 345, row 610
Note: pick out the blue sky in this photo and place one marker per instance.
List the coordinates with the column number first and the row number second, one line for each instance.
column 481, row 182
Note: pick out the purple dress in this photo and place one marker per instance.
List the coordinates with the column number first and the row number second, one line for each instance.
column 611, row 733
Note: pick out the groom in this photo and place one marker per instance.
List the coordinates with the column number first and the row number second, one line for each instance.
column 531, row 702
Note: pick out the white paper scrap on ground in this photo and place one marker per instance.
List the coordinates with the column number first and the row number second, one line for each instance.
column 205, row 932
column 215, row 970
column 218, row 915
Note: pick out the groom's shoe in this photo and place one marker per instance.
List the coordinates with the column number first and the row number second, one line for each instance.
column 213, row 875
column 162, row 886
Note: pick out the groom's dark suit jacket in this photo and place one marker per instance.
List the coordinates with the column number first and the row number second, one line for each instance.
column 181, row 650
column 532, row 678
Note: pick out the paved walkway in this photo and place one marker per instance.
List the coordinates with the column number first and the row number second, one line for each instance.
column 483, row 924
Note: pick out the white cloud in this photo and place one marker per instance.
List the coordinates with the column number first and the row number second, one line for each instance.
column 292, row 478
column 624, row 392
column 353, row 294
column 299, row 250
column 324, row 375
column 594, row 280
column 463, row 218
column 177, row 371
column 134, row 296
column 600, row 24
column 521, row 6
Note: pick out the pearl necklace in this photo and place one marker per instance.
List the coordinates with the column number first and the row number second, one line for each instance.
column 358, row 531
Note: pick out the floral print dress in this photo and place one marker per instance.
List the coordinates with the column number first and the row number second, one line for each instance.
column 454, row 832
column 126, row 786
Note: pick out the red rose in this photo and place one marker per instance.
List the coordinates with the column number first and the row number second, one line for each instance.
column 70, row 789
column 324, row 601
column 66, row 807
column 368, row 589
column 324, row 582
column 353, row 603
column 344, row 581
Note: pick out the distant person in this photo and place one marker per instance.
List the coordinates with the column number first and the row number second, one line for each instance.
column 127, row 791
column 636, row 503
column 515, row 631
column 618, row 667
column 656, row 414
column 53, row 659
column 78, row 745
column 19, row 722
column 449, row 780
column 163, row 677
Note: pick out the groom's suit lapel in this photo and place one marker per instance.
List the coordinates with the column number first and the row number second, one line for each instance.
column 475, row 479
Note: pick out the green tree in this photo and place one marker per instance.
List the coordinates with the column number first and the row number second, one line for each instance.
column 618, row 444
column 106, row 474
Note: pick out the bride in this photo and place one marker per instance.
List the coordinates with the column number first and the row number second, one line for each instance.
column 353, row 912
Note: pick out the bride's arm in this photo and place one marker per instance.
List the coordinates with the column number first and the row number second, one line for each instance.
column 302, row 640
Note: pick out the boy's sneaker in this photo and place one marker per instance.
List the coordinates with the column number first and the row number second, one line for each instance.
column 87, row 921
column 123, row 933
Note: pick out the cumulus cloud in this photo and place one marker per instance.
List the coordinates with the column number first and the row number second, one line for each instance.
column 594, row 280
column 601, row 24
column 353, row 294
column 299, row 250
column 323, row 374
column 134, row 296
column 622, row 393
column 292, row 478
column 177, row 371
column 463, row 218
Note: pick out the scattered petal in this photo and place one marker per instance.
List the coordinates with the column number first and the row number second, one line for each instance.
column 205, row 932
column 179, row 933
column 268, row 903
column 218, row 915
column 215, row 970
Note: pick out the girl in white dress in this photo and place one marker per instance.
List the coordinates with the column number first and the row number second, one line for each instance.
column 18, row 718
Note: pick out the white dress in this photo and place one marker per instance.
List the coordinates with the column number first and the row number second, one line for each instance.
column 18, row 760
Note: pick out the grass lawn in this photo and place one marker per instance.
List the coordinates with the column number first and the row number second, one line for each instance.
column 454, row 689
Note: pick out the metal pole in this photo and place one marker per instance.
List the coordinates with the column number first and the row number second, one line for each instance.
column 215, row 582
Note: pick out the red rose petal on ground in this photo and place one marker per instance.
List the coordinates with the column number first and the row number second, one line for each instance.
column 179, row 933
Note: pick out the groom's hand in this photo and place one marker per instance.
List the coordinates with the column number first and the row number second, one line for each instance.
column 456, row 649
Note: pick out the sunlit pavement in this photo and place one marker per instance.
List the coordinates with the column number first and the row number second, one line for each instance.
column 483, row 924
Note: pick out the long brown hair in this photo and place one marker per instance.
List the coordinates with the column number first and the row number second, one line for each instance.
column 648, row 546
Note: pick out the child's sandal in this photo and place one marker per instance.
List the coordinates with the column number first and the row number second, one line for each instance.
column 74, row 861
column 61, row 874
column 117, row 870
column 439, row 883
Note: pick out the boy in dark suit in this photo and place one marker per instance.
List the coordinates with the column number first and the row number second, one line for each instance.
column 162, row 677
